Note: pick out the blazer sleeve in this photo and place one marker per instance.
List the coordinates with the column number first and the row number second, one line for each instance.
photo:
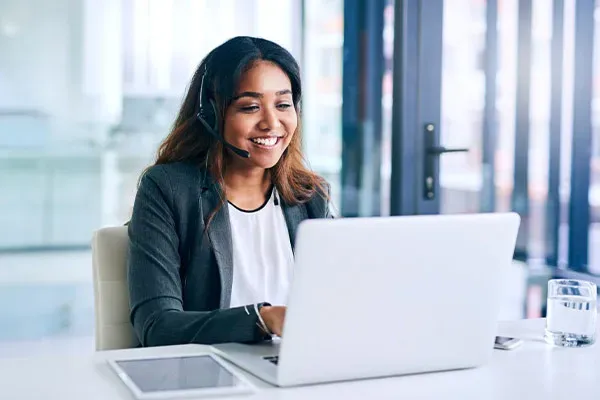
column 155, row 289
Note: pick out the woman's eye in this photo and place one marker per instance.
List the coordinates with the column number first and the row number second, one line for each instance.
column 249, row 108
column 284, row 106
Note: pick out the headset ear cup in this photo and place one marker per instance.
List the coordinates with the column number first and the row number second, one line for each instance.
column 213, row 117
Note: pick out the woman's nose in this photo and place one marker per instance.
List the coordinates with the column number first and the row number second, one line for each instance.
column 270, row 120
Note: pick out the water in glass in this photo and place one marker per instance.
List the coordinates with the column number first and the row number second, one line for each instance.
column 571, row 313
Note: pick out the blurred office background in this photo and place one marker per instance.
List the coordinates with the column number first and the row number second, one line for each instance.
column 89, row 88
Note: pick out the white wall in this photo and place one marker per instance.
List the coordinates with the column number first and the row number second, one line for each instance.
column 62, row 58
column 34, row 50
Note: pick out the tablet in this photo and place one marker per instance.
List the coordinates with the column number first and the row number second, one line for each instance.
column 177, row 376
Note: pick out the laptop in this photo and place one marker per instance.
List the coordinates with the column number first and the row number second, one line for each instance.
column 387, row 296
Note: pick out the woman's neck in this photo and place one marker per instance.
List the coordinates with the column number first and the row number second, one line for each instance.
column 247, row 188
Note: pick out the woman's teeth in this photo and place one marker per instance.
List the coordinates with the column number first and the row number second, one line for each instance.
column 265, row 141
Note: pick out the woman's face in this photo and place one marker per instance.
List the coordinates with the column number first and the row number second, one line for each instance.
column 262, row 118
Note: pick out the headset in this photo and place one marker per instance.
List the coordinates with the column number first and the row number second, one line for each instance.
column 208, row 117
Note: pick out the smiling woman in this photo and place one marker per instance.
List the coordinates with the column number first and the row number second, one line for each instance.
column 214, row 220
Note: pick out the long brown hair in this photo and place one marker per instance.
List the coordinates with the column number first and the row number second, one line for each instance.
column 189, row 141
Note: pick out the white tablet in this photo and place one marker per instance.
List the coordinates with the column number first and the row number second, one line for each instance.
column 176, row 376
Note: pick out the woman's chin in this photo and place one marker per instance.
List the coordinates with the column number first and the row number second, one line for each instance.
column 264, row 161
column 265, row 164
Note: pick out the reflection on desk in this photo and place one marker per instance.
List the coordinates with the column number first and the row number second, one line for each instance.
column 532, row 371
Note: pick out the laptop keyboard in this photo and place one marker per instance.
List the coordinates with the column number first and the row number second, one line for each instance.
column 272, row 359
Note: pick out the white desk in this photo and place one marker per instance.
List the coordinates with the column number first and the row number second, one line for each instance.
column 533, row 371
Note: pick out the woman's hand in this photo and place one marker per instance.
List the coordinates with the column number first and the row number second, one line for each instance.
column 273, row 317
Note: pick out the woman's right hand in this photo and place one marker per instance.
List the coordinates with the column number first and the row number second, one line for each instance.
column 273, row 316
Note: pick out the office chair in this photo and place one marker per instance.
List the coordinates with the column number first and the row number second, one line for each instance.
column 111, row 294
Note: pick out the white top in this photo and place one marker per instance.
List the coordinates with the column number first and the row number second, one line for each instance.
column 533, row 371
column 262, row 254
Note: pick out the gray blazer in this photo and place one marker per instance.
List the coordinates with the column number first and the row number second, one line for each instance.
column 179, row 273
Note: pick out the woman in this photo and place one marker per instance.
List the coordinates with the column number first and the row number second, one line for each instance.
column 214, row 219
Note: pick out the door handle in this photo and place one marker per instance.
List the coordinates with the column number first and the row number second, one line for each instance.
column 432, row 151
column 438, row 150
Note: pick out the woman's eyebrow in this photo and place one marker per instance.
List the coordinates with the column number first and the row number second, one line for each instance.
column 257, row 95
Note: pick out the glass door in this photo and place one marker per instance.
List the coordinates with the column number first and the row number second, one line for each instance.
column 462, row 106
column 438, row 107
column 594, row 192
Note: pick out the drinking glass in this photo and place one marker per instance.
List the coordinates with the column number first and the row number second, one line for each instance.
column 571, row 313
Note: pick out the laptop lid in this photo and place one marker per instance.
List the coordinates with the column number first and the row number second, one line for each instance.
column 387, row 296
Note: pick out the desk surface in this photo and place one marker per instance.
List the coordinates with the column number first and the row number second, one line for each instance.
column 533, row 371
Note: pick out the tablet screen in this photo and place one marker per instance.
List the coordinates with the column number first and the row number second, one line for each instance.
column 177, row 373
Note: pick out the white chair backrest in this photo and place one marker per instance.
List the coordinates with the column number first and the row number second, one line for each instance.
column 111, row 294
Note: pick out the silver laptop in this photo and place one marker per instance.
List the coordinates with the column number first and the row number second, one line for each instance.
column 375, row 297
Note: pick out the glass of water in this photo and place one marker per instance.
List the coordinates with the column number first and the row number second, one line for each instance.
column 571, row 313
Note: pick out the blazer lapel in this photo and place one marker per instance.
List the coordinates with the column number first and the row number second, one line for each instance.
column 293, row 216
column 219, row 233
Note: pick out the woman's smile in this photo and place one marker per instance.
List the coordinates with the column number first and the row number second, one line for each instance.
column 266, row 142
